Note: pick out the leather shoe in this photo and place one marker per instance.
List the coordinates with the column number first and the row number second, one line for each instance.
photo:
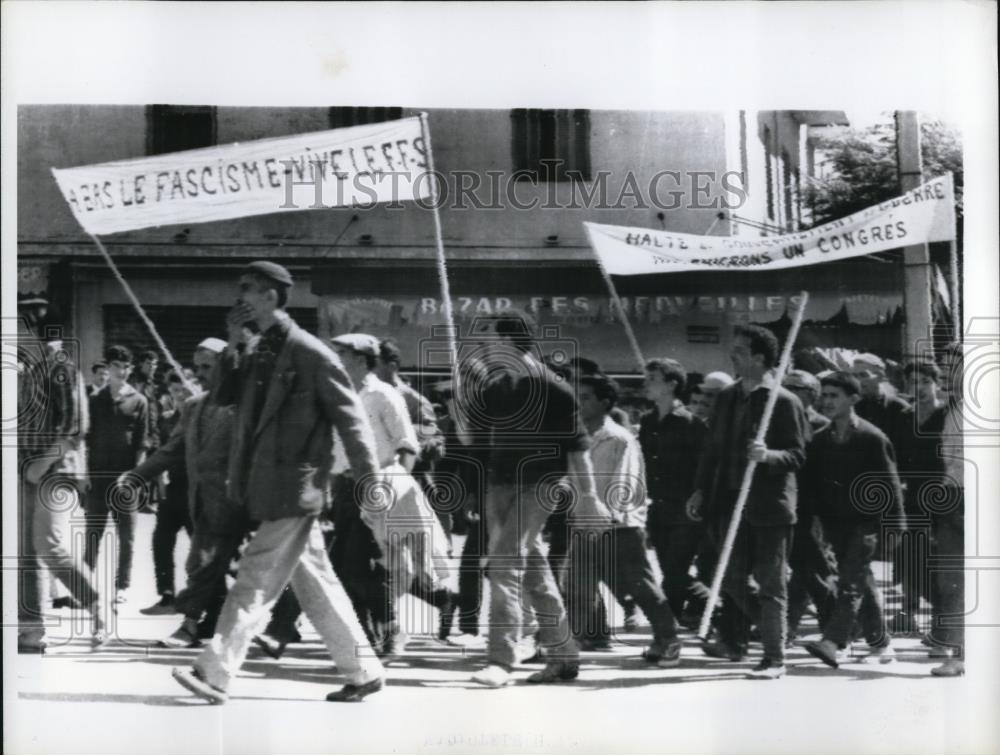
column 270, row 645
column 825, row 650
column 162, row 607
column 720, row 649
column 355, row 693
column 555, row 672
column 182, row 638
column 767, row 669
column 537, row 657
column 193, row 681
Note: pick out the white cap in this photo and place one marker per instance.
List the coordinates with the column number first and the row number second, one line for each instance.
column 215, row 345
column 871, row 360
column 715, row 381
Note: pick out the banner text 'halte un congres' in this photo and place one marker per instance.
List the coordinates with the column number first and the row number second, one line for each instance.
column 920, row 216
column 360, row 165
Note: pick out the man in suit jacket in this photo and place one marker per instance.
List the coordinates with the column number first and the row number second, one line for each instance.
column 762, row 543
column 290, row 393
column 201, row 443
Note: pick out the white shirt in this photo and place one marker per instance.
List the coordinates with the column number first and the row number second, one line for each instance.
column 619, row 473
column 390, row 422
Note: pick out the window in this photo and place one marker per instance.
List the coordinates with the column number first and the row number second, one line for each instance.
column 551, row 145
column 174, row 128
column 342, row 117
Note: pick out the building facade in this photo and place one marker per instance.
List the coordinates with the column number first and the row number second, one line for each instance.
column 517, row 186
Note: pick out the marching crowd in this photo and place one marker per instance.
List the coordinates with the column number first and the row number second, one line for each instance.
column 312, row 479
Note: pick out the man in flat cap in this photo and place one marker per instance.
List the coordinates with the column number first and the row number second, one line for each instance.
column 422, row 416
column 200, row 444
column 879, row 403
column 290, row 393
column 408, row 553
column 814, row 569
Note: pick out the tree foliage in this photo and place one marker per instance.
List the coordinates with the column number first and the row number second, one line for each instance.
column 863, row 170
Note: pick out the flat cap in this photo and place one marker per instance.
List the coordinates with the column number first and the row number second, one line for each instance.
column 869, row 360
column 362, row 343
column 271, row 270
column 801, row 379
column 715, row 381
column 215, row 345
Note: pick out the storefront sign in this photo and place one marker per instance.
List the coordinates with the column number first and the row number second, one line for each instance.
column 920, row 216
column 694, row 329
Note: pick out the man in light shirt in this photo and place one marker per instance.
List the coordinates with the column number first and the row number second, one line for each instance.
column 406, row 550
column 616, row 555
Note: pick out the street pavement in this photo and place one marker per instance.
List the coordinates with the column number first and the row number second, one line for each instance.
column 122, row 699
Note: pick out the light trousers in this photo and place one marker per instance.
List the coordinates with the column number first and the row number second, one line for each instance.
column 286, row 551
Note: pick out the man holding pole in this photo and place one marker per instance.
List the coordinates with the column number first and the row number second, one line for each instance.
column 290, row 393
column 761, row 545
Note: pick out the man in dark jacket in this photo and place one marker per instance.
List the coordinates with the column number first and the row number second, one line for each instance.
column 290, row 394
column 814, row 572
column 118, row 440
column 850, row 476
column 671, row 440
column 762, row 542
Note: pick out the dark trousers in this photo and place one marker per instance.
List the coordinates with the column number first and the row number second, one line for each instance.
column 103, row 503
column 855, row 543
column 283, row 625
column 948, row 594
column 813, row 574
column 618, row 558
column 171, row 516
column 353, row 553
column 676, row 545
column 705, row 562
column 208, row 563
column 763, row 552
column 470, row 578
column 558, row 530
column 909, row 558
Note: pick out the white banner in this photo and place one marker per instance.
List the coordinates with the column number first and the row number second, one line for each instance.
column 357, row 166
column 920, row 216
